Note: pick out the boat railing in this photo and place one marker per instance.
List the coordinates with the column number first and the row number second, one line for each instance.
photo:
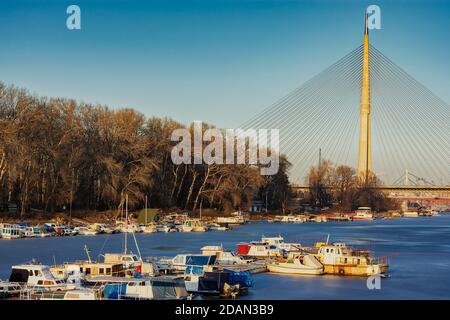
column 28, row 292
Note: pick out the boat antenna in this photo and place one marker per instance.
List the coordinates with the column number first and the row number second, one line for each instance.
column 328, row 238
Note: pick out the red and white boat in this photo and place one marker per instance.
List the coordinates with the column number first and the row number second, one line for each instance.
column 256, row 249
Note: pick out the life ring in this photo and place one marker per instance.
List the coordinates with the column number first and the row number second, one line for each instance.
column 341, row 271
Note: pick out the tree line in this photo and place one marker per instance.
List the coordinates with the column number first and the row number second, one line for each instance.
column 341, row 187
column 56, row 153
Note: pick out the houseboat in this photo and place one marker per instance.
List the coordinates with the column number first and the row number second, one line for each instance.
column 131, row 263
column 339, row 259
column 36, row 232
column 10, row 231
column 74, row 272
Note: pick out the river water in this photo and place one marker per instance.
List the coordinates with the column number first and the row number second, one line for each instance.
column 418, row 250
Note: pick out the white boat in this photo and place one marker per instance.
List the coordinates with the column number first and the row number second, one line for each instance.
column 291, row 219
column 78, row 294
column 163, row 228
column 37, row 276
column 258, row 250
column 102, row 228
column 279, row 244
column 180, row 261
column 146, row 288
column 297, row 263
column 224, row 257
column 410, row 214
column 149, row 228
column 128, row 227
column 364, row 213
column 216, row 227
column 196, row 225
column 185, row 228
column 435, row 212
column 85, row 231
column 10, row 231
column 233, row 220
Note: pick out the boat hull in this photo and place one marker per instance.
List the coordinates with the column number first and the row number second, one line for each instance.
column 356, row 270
column 290, row 268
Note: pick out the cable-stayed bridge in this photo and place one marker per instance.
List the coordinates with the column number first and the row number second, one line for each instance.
column 366, row 112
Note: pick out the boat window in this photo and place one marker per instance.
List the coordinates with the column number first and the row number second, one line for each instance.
column 108, row 270
column 88, row 271
column 37, row 273
column 135, row 258
column 101, row 270
column 31, row 272
column 40, row 282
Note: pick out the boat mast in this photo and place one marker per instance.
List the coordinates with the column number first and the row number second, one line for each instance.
column 126, row 223
column 86, row 249
column 145, row 209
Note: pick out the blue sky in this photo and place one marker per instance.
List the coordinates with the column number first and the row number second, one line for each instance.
column 219, row 61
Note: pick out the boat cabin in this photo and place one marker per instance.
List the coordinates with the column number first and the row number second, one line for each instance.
column 37, row 275
column 180, row 261
column 223, row 257
column 10, row 231
column 91, row 269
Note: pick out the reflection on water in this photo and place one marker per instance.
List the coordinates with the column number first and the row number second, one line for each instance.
column 419, row 253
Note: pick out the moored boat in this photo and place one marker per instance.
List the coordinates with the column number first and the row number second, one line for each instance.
column 37, row 276
column 224, row 257
column 10, row 231
column 410, row 213
column 339, row 259
column 297, row 263
column 364, row 213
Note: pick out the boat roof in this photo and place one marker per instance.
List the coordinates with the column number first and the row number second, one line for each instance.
column 215, row 248
column 30, row 266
